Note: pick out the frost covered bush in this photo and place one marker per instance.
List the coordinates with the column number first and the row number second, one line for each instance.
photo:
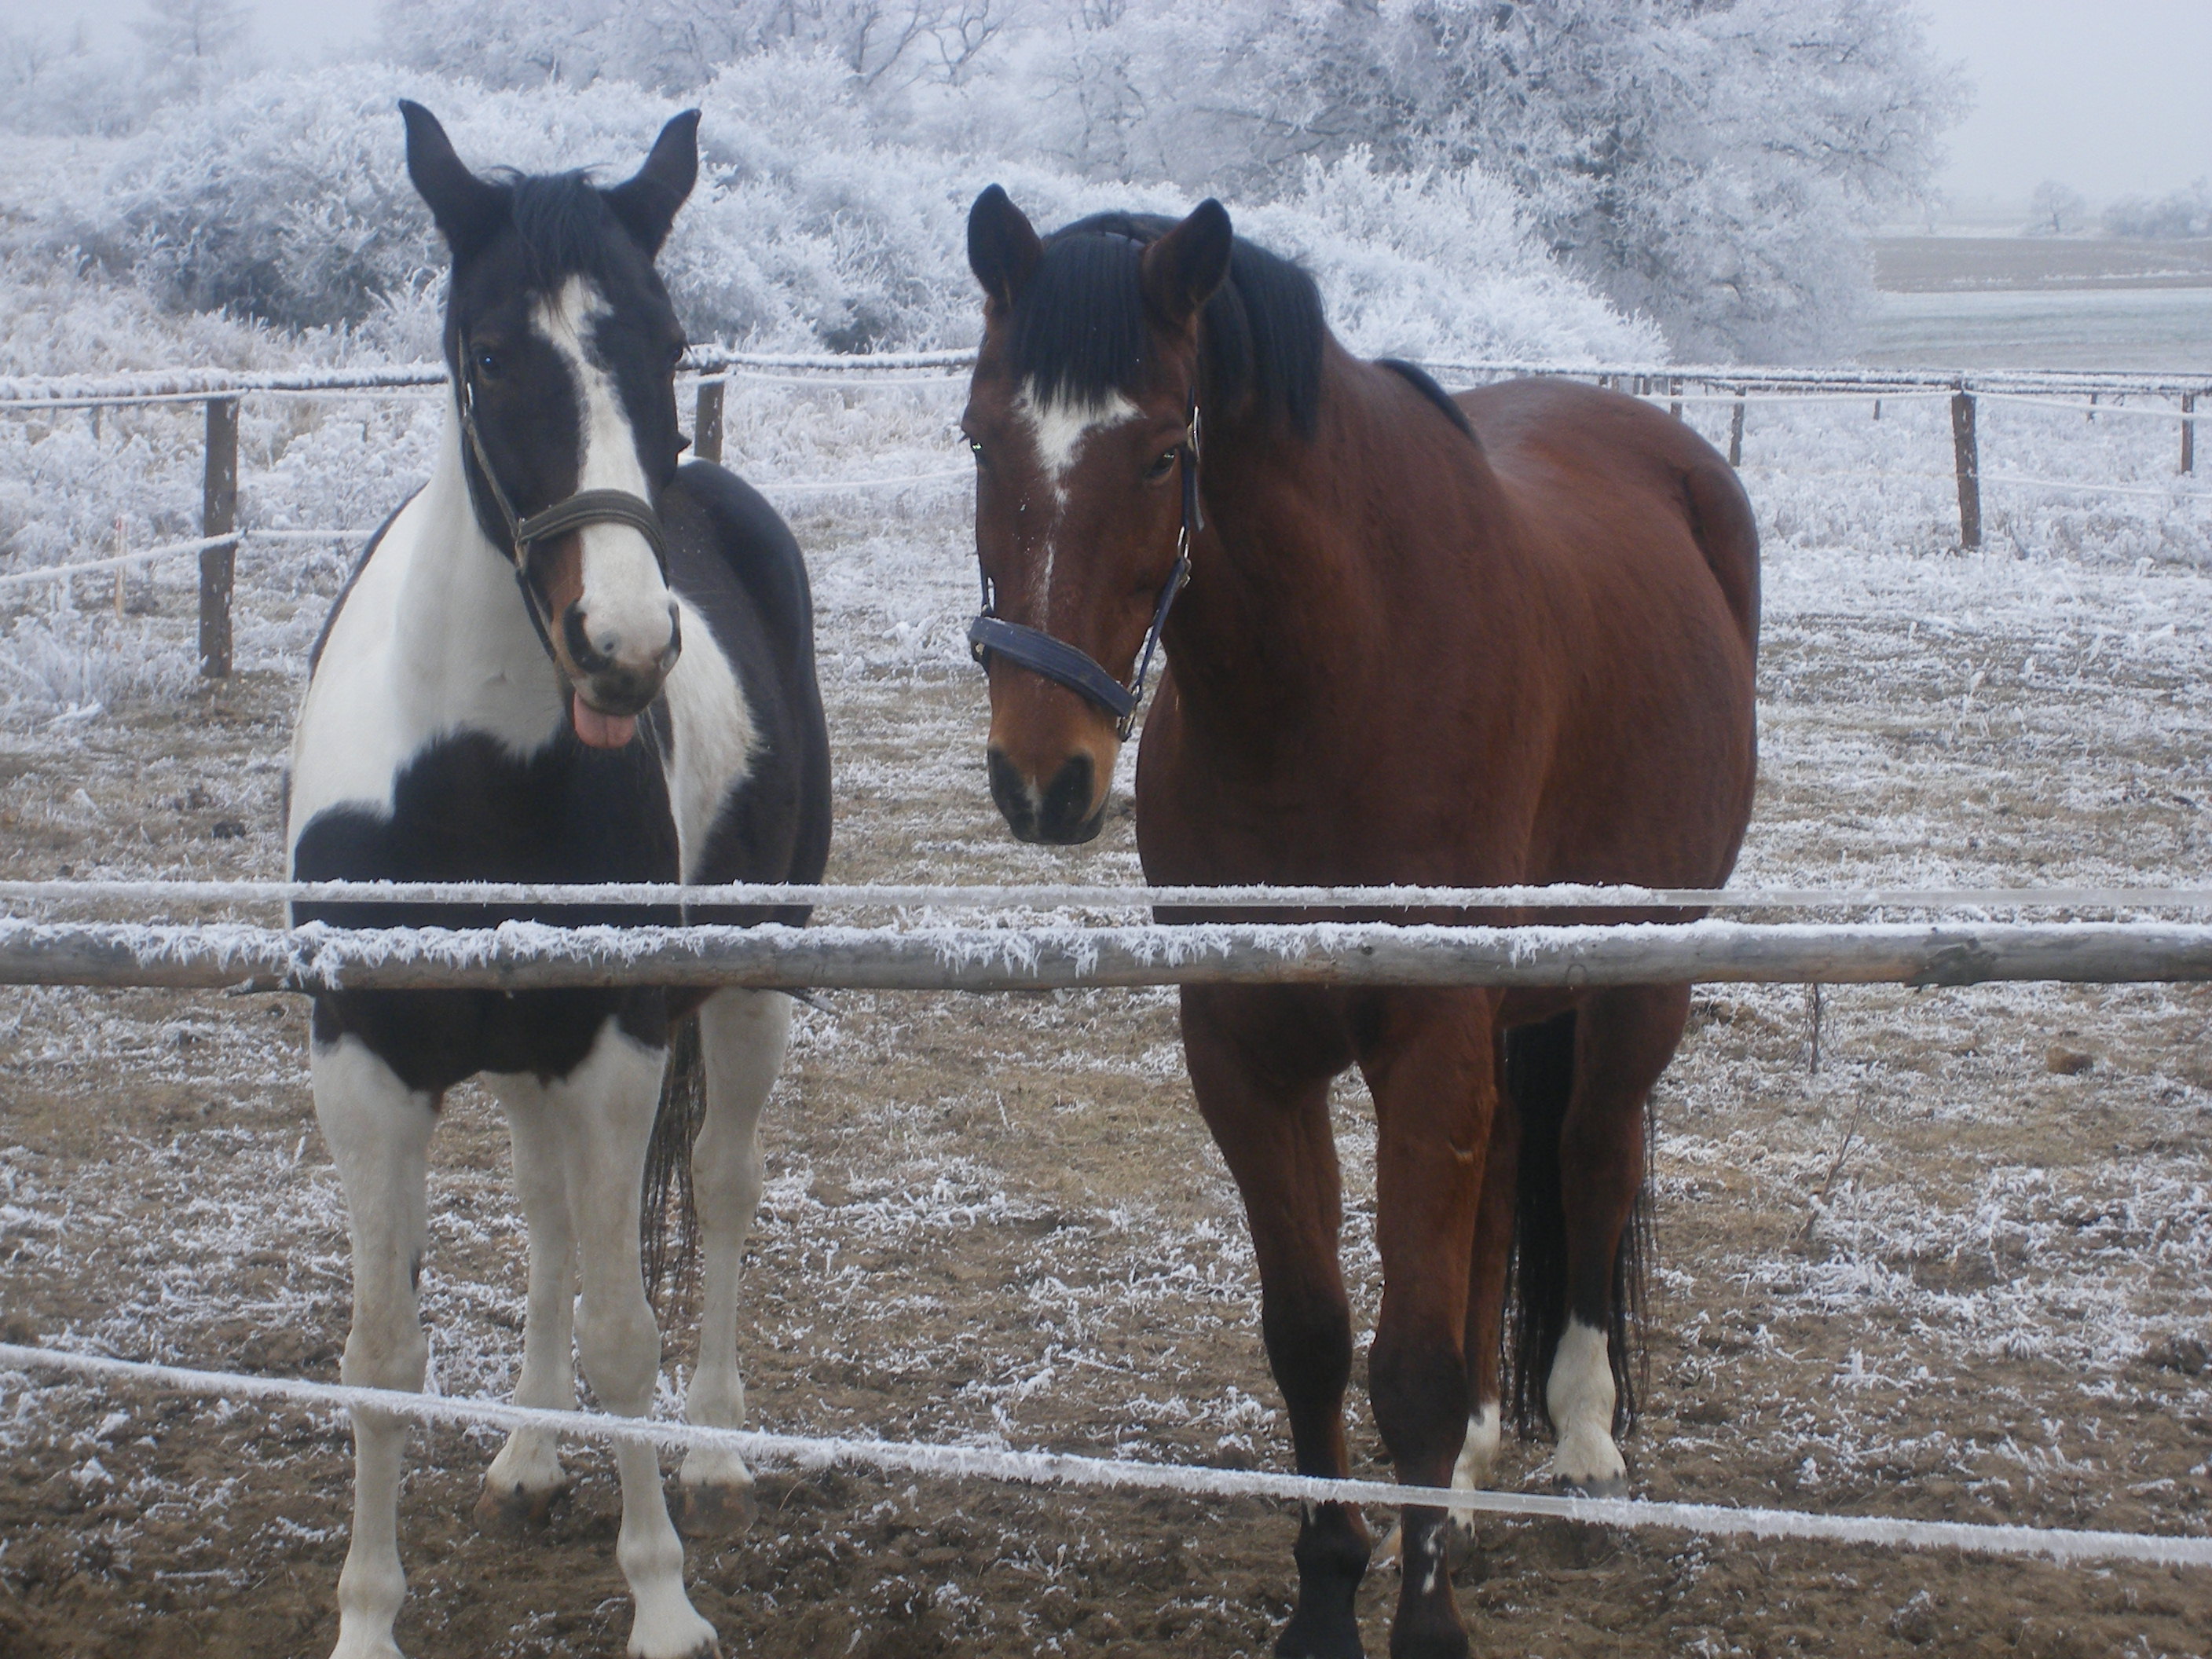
column 285, row 197
column 2177, row 215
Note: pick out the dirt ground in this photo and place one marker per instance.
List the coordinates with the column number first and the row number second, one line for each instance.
column 1960, row 1272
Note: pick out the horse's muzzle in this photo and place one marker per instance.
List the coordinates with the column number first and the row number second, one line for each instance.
column 1061, row 814
column 611, row 680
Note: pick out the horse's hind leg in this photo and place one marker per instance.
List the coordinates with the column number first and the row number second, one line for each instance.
column 1273, row 1130
column 742, row 1036
column 379, row 1134
column 526, row 1477
column 608, row 1103
column 1623, row 1041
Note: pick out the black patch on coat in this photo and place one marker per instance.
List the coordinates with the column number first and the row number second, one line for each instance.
column 465, row 809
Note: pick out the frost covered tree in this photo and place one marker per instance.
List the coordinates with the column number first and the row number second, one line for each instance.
column 62, row 85
column 678, row 46
column 2055, row 209
column 1713, row 164
column 189, row 46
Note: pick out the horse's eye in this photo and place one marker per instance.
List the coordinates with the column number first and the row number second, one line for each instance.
column 975, row 449
column 488, row 363
column 1162, row 467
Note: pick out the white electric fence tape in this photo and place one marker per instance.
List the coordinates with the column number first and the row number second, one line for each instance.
column 1566, row 896
column 1066, row 1469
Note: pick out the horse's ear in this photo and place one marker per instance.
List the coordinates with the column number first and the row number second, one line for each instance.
column 647, row 203
column 1183, row 269
column 468, row 210
column 1003, row 248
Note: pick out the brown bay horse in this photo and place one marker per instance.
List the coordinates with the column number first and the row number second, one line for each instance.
column 1505, row 638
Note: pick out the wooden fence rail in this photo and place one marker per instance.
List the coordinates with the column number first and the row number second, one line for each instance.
column 221, row 394
column 530, row 956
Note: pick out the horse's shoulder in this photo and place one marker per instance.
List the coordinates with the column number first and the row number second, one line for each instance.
column 352, row 581
column 719, row 514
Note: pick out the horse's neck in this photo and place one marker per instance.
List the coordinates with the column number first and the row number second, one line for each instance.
column 1288, row 599
column 462, row 634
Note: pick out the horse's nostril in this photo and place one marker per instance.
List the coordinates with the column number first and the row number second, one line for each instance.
column 583, row 651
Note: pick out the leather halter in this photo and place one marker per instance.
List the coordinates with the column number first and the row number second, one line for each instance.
column 571, row 512
column 1061, row 663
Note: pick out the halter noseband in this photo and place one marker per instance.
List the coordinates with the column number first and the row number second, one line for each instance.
column 571, row 512
column 1081, row 673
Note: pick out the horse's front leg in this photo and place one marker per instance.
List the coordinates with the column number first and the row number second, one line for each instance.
column 1432, row 1072
column 1270, row 1117
column 1623, row 1041
column 379, row 1134
column 1476, row 1468
column 741, row 1036
column 608, row 1104
column 526, row 1477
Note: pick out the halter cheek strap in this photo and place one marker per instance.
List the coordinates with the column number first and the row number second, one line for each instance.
column 1061, row 663
column 585, row 506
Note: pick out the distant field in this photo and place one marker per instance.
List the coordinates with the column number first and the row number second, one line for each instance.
column 1950, row 265
column 2040, row 302
column 2107, row 328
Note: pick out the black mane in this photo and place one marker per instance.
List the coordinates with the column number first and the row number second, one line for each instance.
column 564, row 223
column 1079, row 328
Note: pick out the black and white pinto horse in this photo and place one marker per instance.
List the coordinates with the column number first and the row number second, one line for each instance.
column 564, row 659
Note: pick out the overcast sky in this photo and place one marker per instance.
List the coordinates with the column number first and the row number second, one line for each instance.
column 2111, row 96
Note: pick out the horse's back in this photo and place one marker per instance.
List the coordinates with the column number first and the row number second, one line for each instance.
column 1618, row 457
column 1643, row 548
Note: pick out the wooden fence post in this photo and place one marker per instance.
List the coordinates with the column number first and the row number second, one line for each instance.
column 706, row 424
column 2188, row 432
column 1735, row 434
column 1675, row 391
column 1970, row 470
column 218, row 517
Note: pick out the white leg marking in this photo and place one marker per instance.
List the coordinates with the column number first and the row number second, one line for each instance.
column 608, row 1103
column 1579, row 1393
column 527, row 1474
column 379, row 1134
column 1478, row 1459
column 743, row 1034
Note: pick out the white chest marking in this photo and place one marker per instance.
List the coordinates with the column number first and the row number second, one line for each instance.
column 432, row 639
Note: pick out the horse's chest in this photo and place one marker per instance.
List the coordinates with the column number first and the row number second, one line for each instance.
column 464, row 807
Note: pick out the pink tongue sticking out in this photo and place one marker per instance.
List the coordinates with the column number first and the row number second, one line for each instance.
column 601, row 731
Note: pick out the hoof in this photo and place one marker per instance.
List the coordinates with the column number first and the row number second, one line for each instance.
column 510, row 1511
column 713, row 1510
column 1320, row 1638
column 1611, row 1486
column 709, row 1649
column 1433, row 1642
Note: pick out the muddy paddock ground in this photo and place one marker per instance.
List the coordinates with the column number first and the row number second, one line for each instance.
column 1959, row 1272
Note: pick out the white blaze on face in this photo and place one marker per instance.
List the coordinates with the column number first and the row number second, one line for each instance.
column 1058, row 429
column 624, row 599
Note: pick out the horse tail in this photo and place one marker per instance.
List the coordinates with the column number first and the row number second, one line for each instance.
column 668, row 1223
column 1540, row 1075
